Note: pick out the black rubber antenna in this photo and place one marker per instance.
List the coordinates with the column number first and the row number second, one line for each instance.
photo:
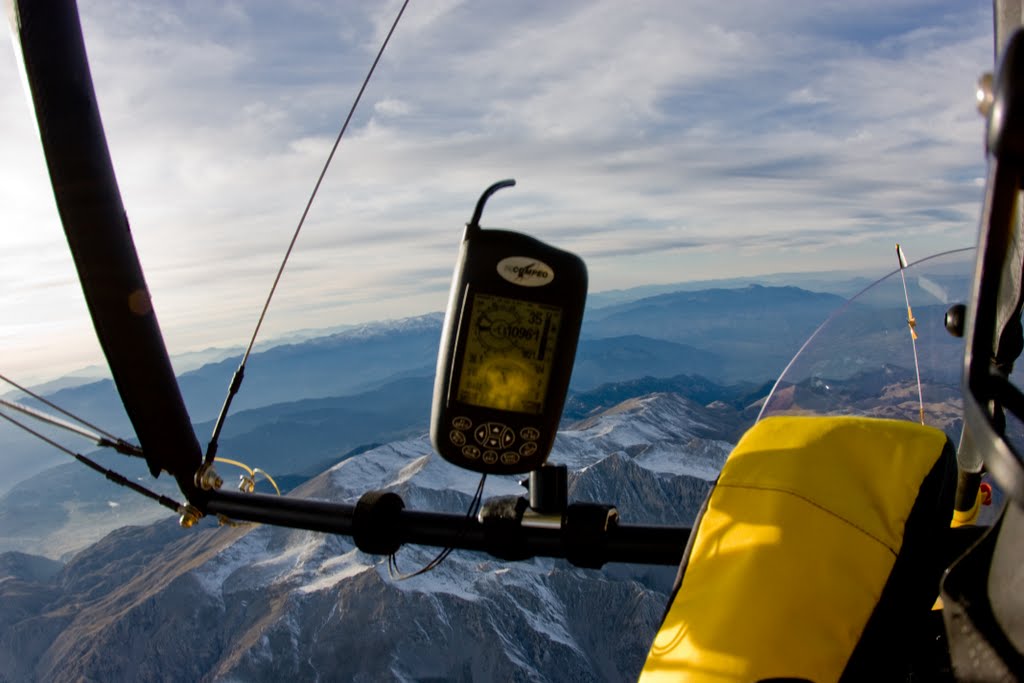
column 474, row 223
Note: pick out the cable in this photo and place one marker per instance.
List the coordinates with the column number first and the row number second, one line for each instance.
column 250, row 481
column 49, row 419
column 474, row 508
column 118, row 479
column 912, row 326
column 117, row 444
column 236, row 380
column 107, row 440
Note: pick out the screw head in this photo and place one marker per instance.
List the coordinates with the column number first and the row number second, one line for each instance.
column 985, row 95
column 207, row 479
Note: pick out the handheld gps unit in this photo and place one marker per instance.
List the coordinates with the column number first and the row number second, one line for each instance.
column 507, row 349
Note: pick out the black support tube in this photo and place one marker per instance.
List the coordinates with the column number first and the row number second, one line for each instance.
column 625, row 542
column 97, row 231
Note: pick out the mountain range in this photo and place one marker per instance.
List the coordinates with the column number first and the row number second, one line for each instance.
column 268, row 604
column 662, row 387
column 661, row 336
column 313, row 402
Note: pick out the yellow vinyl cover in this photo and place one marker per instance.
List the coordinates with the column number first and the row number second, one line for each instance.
column 795, row 545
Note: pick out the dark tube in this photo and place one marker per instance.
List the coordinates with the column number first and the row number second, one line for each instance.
column 640, row 544
column 97, row 231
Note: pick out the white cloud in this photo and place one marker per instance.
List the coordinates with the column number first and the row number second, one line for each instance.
column 392, row 107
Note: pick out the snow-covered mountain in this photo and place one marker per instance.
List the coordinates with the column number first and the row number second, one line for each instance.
column 255, row 603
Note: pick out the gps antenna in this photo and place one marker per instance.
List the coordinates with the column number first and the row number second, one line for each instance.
column 474, row 223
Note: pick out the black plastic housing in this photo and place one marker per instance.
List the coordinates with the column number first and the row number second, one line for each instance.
column 493, row 269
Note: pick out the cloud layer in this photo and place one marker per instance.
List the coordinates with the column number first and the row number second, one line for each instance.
column 663, row 141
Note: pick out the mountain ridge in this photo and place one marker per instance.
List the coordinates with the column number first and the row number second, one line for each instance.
column 263, row 603
column 363, row 358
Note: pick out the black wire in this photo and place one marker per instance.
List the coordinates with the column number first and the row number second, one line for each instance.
column 59, row 409
column 236, row 380
column 120, row 445
column 113, row 476
column 474, row 509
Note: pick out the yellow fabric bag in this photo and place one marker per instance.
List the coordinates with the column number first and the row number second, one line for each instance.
column 814, row 551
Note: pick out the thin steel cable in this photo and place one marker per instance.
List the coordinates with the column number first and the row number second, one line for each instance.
column 113, row 476
column 320, row 179
column 58, row 408
column 911, row 324
column 236, row 381
column 51, row 420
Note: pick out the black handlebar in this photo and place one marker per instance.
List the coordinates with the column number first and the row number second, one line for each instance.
column 615, row 542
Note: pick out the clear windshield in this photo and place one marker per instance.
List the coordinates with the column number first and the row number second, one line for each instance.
column 861, row 360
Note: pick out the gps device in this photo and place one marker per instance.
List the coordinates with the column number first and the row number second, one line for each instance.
column 507, row 349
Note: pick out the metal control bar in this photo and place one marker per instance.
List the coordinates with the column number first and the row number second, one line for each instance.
column 641, row 544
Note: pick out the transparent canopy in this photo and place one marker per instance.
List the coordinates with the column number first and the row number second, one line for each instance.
column 861, row 360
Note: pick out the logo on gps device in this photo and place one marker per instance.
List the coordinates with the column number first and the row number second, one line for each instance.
column 527, row 272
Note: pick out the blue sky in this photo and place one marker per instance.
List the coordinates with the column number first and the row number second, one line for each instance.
column 662, row 141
